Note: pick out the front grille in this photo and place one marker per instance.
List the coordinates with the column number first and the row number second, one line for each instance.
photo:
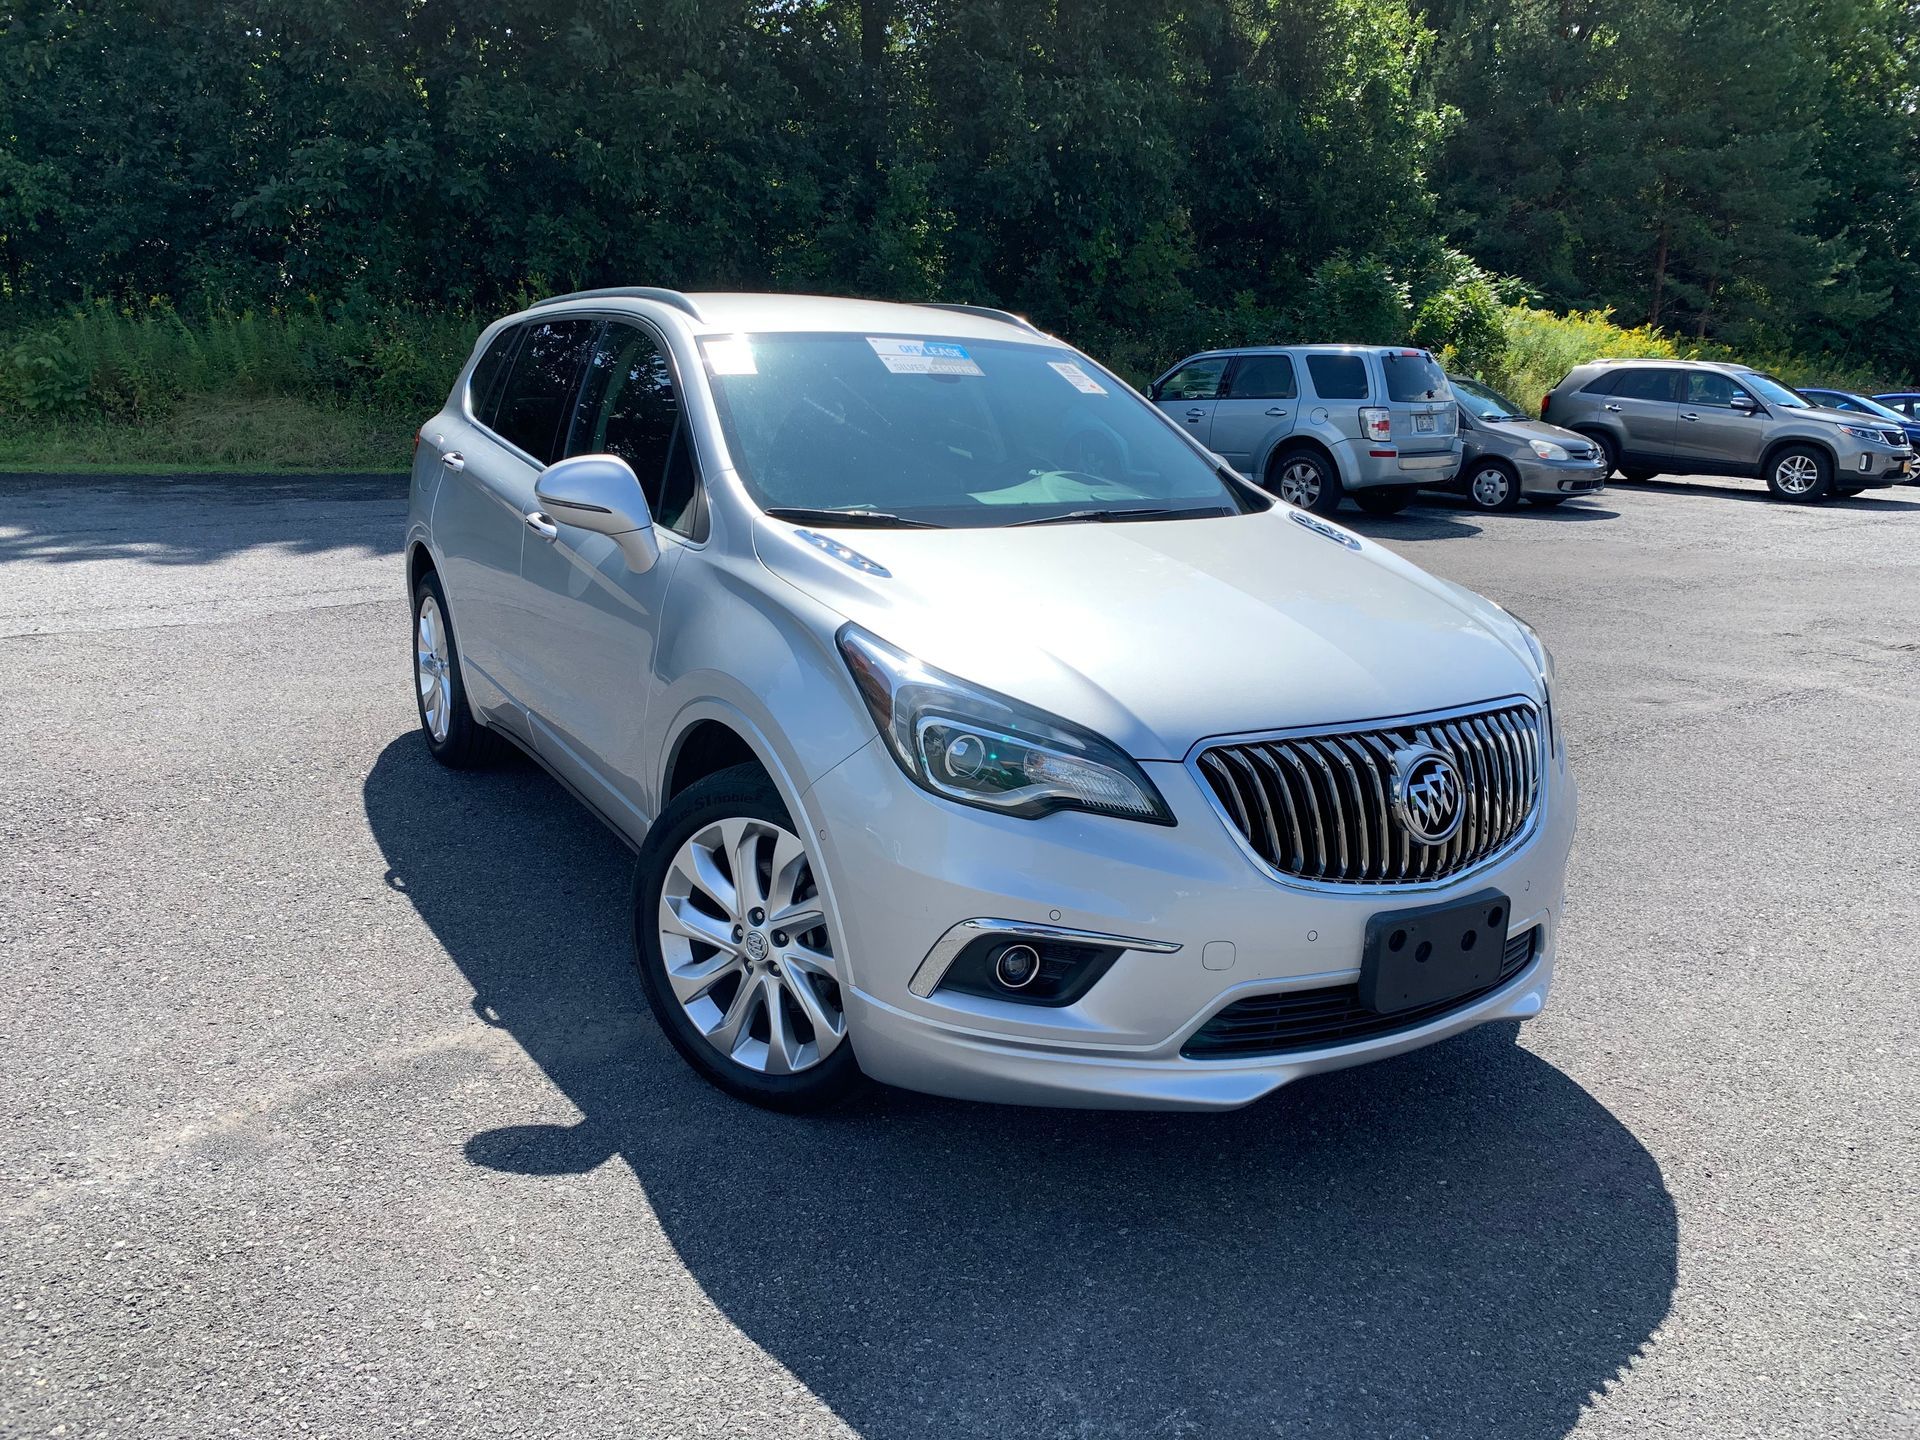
column 1580, row 452
column 1316, row 1019
column 1319, row 807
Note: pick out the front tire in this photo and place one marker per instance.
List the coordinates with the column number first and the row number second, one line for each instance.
column 1492, row 486
column 1800, row 474
column 454, row 737
column 1306, row 479
column 733, row 948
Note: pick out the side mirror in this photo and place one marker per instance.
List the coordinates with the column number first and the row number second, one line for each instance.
column 1743, row 402
column 600, row 493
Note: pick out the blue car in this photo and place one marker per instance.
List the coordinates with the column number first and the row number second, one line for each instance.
column 1898, row 408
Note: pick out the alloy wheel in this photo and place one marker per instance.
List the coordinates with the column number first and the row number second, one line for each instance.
column 1300, row 483
column 1797, row 474
column 433, row 667
column 744, row 936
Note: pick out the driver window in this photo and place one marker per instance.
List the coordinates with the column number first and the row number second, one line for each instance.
column 629, row 407
column 1198, row 381
column 1704, row 387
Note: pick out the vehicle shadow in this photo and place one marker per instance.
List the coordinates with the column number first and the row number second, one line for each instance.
column 196, row 519
column 1757, row 492
column 1458, row 1243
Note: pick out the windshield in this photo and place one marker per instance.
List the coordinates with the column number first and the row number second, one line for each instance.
column 1413, row 375
column 1863, row 403
column 1773, row 392
column 1483, row 402
column 948, row 432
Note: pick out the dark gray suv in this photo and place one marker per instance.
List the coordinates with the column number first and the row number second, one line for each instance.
column 1697, row 417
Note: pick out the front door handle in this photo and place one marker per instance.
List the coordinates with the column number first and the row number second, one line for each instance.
column 542, row 526
column 454, row 460
column 1689, row 414
column 1196, row 415
column 1277, row 413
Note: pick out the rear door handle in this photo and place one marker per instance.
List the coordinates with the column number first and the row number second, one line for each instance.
column 454, row 460
column 1689, row 414
column 1277, row 413
column 1614, row 408
column 542, row 526
column 1196, row 415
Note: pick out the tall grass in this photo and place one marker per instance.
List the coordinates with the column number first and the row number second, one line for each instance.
column 106, row 385
column 1542, row 347
column 237, row 386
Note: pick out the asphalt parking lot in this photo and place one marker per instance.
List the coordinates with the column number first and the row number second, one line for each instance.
column 330, row 1104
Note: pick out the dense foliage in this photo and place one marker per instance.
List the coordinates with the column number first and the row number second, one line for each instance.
column 1143, row 178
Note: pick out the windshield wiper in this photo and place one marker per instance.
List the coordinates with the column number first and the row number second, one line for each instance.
column 1144, row 513
column 809, row 515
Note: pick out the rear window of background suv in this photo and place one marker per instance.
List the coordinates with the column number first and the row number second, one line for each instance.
column 1414, row 377
column 1338, row 377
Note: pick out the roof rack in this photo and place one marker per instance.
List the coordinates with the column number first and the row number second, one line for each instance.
column 627, row 292
column 985, row 312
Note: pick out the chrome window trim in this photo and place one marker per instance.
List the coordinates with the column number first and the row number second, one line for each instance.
column 1363, row 889
column 932, row 970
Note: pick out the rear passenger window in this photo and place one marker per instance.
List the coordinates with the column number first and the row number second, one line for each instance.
column 538, row 395
column 1198, row 381
column 483, row 386
column 1338, row 377
column 1263, row 377
column 1646, row 384
column 629, row 407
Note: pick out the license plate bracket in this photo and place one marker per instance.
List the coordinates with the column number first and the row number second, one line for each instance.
column 1433, row 953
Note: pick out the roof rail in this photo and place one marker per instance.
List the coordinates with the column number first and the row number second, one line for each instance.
column 627, row 292
column 985, row 312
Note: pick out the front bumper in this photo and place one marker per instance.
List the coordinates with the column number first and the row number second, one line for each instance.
column 1867, row 466
column 1560, row 477
column 906, row 868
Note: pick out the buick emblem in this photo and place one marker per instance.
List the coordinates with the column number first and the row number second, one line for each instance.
column 1427, row 794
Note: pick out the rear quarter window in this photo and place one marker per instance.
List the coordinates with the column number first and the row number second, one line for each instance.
column 1338, row 377
column 1603, row 383
column 483, row 386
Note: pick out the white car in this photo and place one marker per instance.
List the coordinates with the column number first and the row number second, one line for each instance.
column 978, row 730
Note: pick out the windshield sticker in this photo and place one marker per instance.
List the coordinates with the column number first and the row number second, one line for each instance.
column 923, row 357
column 1077, row 377
column 730, row 356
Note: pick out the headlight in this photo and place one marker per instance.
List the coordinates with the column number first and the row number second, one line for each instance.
column 1864, row 432
column 1547, row 450
column 980, row 748
column 1542, row 662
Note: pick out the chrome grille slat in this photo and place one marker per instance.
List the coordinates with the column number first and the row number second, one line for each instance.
column 1318, row 806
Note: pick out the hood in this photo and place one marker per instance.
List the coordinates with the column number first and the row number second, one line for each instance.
column 1524, row 430
column 1845, row 417
column 1160, row 634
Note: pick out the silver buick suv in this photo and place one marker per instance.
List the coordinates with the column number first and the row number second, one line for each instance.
column 976, row 728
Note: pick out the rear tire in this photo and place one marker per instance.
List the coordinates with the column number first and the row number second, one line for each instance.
column 1492, row 485
column 733, row 946
column 1383, row 502
column 454, row 737
column 1800, row 474
column 1306, row 479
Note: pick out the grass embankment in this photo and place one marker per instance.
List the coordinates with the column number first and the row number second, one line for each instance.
column 113, row 388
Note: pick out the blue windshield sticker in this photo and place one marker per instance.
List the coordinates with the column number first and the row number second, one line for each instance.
column 923, row 357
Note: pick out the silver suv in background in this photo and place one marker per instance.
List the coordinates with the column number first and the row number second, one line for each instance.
column 1698, row 417
column 1314, row 423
